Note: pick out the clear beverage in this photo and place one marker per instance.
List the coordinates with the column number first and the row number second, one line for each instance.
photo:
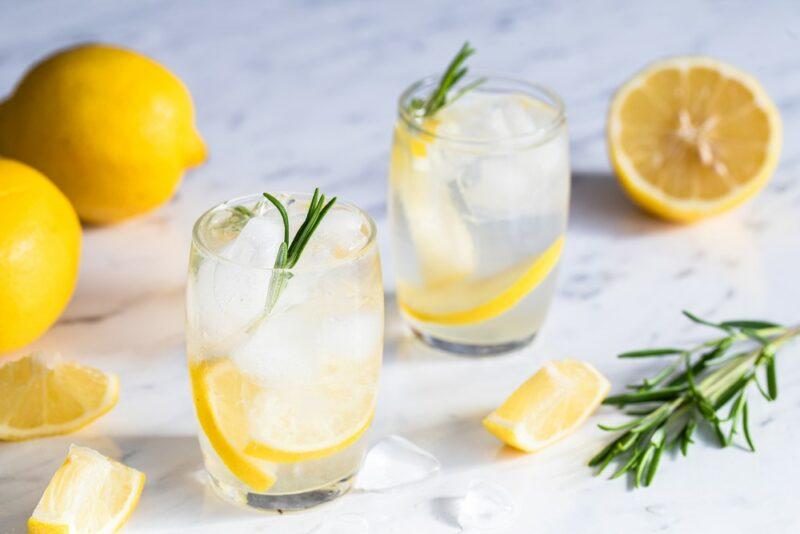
column 285, row 392
column 478, row 205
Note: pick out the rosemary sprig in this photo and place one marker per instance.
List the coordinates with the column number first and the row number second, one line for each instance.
column 289, row 252
column 694, row 390
column 441, row 96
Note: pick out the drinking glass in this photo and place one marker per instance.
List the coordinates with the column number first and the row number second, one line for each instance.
column 283, row 363
column 478, row 203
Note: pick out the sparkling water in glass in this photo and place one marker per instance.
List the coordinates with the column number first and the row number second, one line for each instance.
column 284, row 387
column 478, row 204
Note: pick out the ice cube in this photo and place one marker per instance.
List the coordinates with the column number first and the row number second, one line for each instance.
column 355, row 335
column 393, row 462
column 341, row 233
column 226, row 296
column 280, row 351
column 486, row 505
column 343, row 524
column 257, row 244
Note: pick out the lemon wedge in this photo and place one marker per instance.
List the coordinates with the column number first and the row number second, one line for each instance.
column 44, row 400
column 549, row 405
column 88, row 493
column 691, row 137
column 471, row 301
column 222, row 395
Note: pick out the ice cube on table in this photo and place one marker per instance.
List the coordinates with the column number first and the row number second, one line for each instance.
column 486, row 505
column 393, row 462
column 343, row 524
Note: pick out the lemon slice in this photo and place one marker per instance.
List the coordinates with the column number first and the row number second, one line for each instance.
column 442, row 243
column 690, row 137
column 549, row 405
column 299, row 423
column 470, row 301
column 222, row 395
column 44, row 400
column 88, row 493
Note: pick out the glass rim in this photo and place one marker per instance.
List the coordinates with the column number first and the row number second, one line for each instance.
column 533, row 88
column 199, row 242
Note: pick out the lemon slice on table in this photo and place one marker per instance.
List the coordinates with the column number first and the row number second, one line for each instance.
column 549, row 405
column 442, row 242
column 690, row 137
column 470, row 301
column 222, row 395
column 88, row 493
column 38, row 399
column 299, row 423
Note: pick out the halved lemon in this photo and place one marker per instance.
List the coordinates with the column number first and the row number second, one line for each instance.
column 297, row 423
column 549, row 405
column 222, row 395
column 38, row 399
column 691, row 137
column 88, row 493
column 474, row 300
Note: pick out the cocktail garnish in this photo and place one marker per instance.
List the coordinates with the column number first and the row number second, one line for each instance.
column 440, row 97
column 289, row 252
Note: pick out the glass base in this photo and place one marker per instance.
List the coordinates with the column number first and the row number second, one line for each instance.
column 282, row 503
column 465, row 349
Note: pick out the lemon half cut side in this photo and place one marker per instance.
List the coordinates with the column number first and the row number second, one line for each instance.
column 690, row 137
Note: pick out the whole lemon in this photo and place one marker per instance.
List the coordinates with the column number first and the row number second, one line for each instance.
column 113, row 129
column 40, row 244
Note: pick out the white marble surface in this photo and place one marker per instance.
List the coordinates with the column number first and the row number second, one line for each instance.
column 296, row 94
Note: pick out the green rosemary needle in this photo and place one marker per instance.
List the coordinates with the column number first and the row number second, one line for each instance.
column 694, row 390
column 289, row 252
column 441, row 96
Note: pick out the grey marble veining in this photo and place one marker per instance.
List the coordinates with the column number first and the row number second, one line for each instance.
column 291, row 95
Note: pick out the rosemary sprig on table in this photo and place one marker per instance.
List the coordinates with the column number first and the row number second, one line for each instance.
column 693, row 390
column 440, row 97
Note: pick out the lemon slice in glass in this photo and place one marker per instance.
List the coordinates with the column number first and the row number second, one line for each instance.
column 295, row 423
column 222, row 395
column 470, row 301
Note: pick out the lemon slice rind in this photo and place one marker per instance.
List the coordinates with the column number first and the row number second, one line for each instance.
column 535, row 274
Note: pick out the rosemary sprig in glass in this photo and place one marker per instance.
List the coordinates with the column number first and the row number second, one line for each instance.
column 441, row 96
column 694, row 390
column 289, row 252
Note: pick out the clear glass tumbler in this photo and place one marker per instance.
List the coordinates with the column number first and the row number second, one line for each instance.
column 478, row 201
column 284, row 363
